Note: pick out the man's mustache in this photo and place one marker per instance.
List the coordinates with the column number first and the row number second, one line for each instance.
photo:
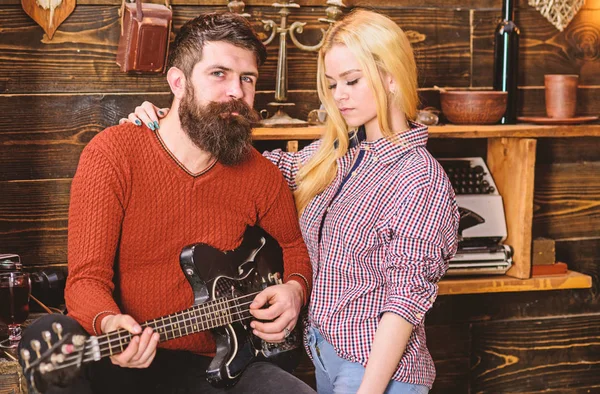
column 235, row 109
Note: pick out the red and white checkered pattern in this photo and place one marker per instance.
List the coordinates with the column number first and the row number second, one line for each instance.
column 386, row 240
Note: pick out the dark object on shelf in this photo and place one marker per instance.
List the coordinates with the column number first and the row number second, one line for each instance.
column 506, row 60
column 10, row 263
column 144, row 40
column 544, row 251
column 473, row 106
column 48, row 286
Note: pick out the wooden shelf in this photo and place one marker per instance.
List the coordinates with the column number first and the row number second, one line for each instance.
column 503, row 284
column 446, row 131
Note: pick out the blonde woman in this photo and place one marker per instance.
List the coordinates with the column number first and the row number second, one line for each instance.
column 376, row 210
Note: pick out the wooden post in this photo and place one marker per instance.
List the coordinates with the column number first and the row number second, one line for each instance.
column 512, row 164
column 292, row 146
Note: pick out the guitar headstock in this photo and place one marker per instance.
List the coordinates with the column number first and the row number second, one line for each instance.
column 50, row 351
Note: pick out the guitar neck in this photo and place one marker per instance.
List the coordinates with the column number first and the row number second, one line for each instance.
column 198, row 318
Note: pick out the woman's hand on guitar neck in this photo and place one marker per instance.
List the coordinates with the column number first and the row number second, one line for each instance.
column 284, row 303
column 147, row 114
column 141, row 350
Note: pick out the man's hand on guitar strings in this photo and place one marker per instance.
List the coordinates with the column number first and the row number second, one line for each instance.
column 141, row 350
column 285, row 302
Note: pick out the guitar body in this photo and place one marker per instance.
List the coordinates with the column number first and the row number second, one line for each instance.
column 54, row 347
column 249, row 269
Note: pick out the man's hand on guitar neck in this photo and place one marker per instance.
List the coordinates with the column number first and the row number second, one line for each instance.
column 284, row 304
column 141, row 350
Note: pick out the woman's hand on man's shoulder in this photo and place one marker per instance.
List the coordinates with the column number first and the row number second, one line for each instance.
column 147, row 114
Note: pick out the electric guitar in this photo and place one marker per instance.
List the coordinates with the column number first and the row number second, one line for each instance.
column 54, row 347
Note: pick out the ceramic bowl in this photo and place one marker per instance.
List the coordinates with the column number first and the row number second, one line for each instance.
column 473, row 106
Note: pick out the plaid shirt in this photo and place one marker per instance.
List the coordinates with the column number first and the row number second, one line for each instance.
column 379, row 244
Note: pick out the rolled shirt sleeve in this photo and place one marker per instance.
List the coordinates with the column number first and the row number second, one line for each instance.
column 424, row 239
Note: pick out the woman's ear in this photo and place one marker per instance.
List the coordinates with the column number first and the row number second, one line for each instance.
column 177, row 81
column 392, row 85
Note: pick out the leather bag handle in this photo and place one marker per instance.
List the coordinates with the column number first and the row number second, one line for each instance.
column 139, row 13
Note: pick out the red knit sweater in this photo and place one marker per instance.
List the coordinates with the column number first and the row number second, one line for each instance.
column 134, row 207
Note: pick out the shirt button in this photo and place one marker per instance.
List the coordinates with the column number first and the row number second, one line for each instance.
column 375, row 158
column 419, row 316
column 353, row 173
column 432, row 299
column 367, row 147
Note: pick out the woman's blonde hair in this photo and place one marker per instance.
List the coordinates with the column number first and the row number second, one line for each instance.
column 382, row 49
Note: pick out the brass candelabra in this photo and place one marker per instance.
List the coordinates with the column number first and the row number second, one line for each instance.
column 237, row 7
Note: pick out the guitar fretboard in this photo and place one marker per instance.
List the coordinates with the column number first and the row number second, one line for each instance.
column 198, row 318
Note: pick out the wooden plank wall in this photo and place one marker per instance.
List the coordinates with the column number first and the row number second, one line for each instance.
column 56, row 95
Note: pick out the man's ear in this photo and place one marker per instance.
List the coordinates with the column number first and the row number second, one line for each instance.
column 177, row 81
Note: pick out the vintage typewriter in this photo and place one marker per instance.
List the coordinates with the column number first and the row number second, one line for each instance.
column 482, row 226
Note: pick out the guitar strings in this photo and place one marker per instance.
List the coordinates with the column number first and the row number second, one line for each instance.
column 126, row 335
column 89, row 350
column 87, row 355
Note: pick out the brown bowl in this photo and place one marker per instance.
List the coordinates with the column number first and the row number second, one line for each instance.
column 473, row 106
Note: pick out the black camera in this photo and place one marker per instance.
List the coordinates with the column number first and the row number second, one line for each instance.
column 48, row 286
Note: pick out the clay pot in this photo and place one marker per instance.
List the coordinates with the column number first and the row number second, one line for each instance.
column 561, row 95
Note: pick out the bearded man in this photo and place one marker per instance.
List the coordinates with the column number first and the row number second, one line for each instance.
column 138, row 199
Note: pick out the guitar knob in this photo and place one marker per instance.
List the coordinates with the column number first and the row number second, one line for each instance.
column 78, row 340
column 25, row 355
column 36, row 346
column 274, row 278
column 47, row 337
column 57, row 328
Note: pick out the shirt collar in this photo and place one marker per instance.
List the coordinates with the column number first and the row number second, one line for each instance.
column 389, row 151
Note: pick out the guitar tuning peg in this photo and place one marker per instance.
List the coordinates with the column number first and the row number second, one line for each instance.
column 46, row 336
column 57, row 328
column 36, row 346
column 25, row 355
column 46, row 367
column 78, row 340
column 57, row 358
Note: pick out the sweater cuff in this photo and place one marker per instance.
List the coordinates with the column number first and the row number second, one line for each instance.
column 303, row 282
column 97, row 322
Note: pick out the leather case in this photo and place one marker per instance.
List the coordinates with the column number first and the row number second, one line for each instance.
column 144, row 41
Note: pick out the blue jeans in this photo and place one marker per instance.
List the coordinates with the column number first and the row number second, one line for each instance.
column 338, row 376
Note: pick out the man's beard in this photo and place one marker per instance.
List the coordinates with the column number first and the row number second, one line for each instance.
column 223, row 129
